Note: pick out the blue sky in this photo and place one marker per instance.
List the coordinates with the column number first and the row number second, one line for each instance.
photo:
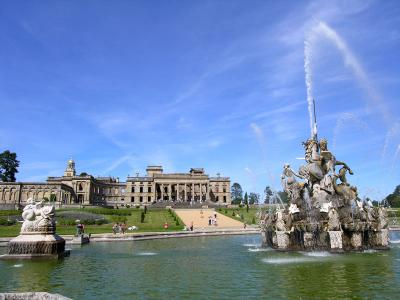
column 118, row 85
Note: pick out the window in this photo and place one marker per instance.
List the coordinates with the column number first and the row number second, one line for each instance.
column 149, row 199
column 224, row 198
column 224, row 190
column 122, row 199
column 80, row 187
column 141, row 199
column 141, row 189
column 216, row 198
column 133, row 189
column 149, row 189
column 132, row 199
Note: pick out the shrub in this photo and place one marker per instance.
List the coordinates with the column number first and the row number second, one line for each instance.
column 7, row 222
column 233, row 213
column 145, row 209
column 253, row 221
column 109, row 211
column 142, row 216
column 10, row 212
column 87, row 218
column 101, row 221
column 119, row 219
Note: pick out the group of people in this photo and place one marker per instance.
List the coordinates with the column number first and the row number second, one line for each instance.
column 119, row 228
column 80, row 229
column 212, row 220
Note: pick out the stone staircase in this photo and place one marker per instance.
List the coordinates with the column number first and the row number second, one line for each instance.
column 199, row 217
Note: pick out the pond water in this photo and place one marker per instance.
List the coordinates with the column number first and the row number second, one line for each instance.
column 229, row 267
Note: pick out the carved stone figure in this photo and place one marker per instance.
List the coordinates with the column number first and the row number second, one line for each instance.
column 38, row 218
column 322, row 212
column 37, row 238
column 333, row 220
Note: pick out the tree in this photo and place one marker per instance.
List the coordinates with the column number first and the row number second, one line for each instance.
column 83, row 174
column 53, row 198
column 8, row 166
column 236, row 193
column 397, row 190
column 393, row 199
column 254, row 198
column 284, row 197
column 268, row 194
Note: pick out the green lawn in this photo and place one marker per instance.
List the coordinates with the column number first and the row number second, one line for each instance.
column 154, row 221
column 240, row 214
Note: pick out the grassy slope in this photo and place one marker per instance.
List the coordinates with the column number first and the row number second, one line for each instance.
column 247, row 216
column 154, row 221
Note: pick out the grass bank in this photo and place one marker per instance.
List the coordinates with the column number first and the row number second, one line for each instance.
column 240, row 214
column 154, row 220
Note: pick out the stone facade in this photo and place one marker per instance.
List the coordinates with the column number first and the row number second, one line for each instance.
column 156, row 186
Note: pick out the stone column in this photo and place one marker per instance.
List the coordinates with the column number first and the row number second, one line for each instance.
column 185, row 192
column 200, row 193
column 59, row 198
column 169, row 192
column 208, row 191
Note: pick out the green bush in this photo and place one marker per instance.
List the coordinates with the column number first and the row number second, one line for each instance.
column 7, row 222
column 10, row 212
column 119, row 219
column 98, row 211
column 101, row 221
column 109, row 211
column 253, row 221
column 177, row 223
column 87, row 218
column 142, row 216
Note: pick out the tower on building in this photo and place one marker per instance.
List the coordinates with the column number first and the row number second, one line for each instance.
column 70, row 170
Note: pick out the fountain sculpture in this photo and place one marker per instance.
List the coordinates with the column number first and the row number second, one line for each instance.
column 38, row 238
column 323, row 214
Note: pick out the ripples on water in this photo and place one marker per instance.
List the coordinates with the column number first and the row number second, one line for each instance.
column 146, row 253
column 206, row 268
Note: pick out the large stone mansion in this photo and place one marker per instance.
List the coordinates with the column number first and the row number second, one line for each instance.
column 155, row 187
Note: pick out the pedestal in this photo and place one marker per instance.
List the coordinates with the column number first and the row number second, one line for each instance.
column 282, row 239
column 335, row 239
column 36, row 245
